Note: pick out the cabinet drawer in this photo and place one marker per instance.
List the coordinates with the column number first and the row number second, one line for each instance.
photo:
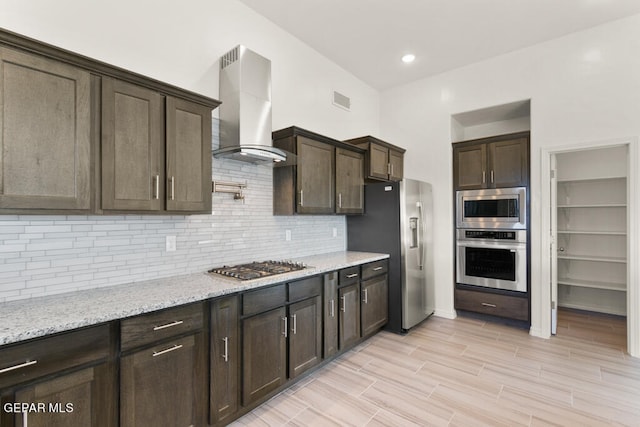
column 148, row 328
column 33, row 359
column 264, row 299
column 375, row 268
column 349, row 276
column 494, row 304
column 306, row 288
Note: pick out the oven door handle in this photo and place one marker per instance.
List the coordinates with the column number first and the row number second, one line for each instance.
column 513, row 247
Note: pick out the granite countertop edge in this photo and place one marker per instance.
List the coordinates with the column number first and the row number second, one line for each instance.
column 37, row 317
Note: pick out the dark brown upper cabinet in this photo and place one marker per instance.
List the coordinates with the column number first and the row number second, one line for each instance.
column 383, row 161
column 324, row 179
column 45, row 134
column 496, row 162
column 349, row 182
column 81, row 136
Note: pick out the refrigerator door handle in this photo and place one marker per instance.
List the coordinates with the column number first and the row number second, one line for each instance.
column 420, row 237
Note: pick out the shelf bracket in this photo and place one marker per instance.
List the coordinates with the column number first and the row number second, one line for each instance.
column 234, row 188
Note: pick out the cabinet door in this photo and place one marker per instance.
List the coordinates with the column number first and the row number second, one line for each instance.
column 164, row 385
column 132, row 147
column 349, row 315
column 330, row 313
column 509, row 163
column 188, row 150
column 349, row 182
column 378, row 162
column 70, row 400
column 374, row 304
column 396, row 162
column 45, row 128
column 315, row 177
column 264, row 354
column 225, row 359
column 305, row 335
column 470, row 167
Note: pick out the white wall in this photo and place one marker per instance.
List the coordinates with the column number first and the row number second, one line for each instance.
column 583, row 87
column 180, row 42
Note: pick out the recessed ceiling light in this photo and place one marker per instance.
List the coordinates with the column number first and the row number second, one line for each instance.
column 408, row 58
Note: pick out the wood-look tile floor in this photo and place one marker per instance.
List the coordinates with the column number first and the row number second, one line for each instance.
column 468, row 372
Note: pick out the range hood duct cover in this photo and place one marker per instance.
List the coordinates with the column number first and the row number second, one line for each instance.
column 245, row 112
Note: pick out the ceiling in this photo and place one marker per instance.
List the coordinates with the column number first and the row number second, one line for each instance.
column 368, row 37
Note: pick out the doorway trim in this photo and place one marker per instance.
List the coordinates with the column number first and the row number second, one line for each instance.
column 633, row 236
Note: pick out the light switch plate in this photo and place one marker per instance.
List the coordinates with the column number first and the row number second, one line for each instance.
column 171, row 243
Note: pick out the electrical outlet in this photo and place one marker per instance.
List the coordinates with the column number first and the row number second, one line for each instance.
column 287, row 235
column 335, row 232
column 171, row 243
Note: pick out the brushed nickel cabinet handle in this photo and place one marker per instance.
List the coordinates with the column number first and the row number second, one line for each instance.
column 388, row 168
column 339, row 200
column 284, row 332
column 343, row 299
column 301, row 198
column 20, row 366
column 366, row 294
column 351, row 276
column 172, row 180
column 486, row 304
column 332, row 311
column 492, row 180
column 391, row 169
column 156, row 187
column 377, row 269
column 484, row 177
column 168, row 350
column 225, row 355
column 168, row 325
column 294, row 323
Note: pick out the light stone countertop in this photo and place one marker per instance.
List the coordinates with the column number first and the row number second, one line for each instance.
column 36, row 317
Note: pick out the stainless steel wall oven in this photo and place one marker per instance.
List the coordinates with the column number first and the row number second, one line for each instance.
column 492, row 258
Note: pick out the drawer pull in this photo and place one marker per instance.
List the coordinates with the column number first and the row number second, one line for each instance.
column 284, row 331
column 332, row 310
column 343, row 299
column 20, row 366
column 365, row 299
column 294, row 321
column 351, row 276
column 168, row 350
column 486, row 304
column 168, row 325
column 377, row 269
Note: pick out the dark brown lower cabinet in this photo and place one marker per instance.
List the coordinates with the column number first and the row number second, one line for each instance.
column 374, row 306
column 330, row 314
column 70, row 377
column 305, row 335
column 264, row 354
column 225, row 360
column 164, row 385
column 349, row 316
column 513, row 307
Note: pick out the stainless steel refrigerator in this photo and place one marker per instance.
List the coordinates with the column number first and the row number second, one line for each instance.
column 398, row 221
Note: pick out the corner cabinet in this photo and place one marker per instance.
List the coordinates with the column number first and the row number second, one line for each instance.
column 592, row 244
column 383, row 161
column 496, row 162
column 81, row 136
column 325, row 178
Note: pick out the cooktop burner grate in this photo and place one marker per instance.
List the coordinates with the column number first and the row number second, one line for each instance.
column 256, row 270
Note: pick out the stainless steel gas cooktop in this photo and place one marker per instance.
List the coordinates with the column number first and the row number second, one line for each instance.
column 256, row 270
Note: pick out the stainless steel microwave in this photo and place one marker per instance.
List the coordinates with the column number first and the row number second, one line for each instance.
column 503, row 208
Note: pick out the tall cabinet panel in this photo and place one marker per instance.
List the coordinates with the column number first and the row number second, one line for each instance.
column 592, row 230
column 45, row 129
column 132, row 147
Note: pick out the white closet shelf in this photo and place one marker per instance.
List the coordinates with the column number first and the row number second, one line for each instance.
column 567, row 281
column 602, row 232
column 594, row 205
column 596, row 258
column 598, row 308
column 587, row 180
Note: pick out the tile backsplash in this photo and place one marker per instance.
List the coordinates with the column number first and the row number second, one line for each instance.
column 45, row 255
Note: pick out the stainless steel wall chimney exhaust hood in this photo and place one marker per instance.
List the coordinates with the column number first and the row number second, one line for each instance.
column 245, row 112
